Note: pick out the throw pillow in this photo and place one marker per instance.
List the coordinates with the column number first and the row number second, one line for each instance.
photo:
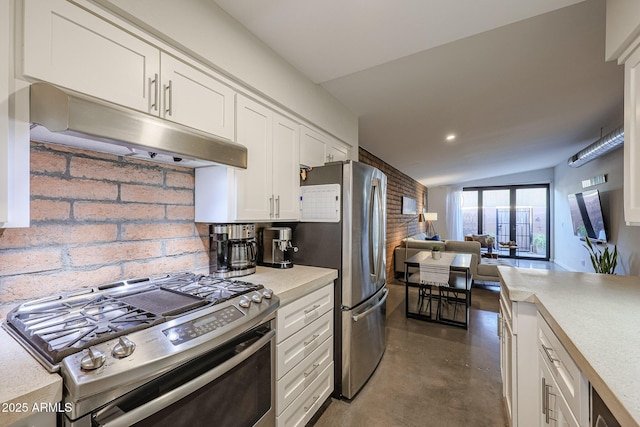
column 434, row 238
column 482, row 238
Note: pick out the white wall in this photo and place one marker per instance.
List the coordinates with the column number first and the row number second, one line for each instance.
column 569, row 250
column 208, row 33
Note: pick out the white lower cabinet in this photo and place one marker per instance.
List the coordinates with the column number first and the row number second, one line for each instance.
column 519, row 360
column 304, row 356
column 563, row 388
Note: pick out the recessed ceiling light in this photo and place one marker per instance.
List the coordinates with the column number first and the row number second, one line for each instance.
column 451, row 137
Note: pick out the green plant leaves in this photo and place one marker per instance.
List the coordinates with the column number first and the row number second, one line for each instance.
column 603, row 261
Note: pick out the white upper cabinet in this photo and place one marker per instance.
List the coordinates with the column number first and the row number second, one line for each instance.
column 70, row 47
column 196, row 99
column 632, row 139
column 14, row 132
column 317, row 148
column 286, row 168
column 623, row 44
column 268, row 190
column 255, row 199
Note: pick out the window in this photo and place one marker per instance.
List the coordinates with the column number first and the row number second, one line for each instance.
column 517, row 216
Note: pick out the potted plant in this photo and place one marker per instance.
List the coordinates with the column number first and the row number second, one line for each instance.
column 435, row 252
column 603, row 261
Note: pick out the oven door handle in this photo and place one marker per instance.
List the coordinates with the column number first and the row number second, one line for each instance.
column 150, row 408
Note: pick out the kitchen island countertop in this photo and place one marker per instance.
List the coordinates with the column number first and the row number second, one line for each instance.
column 24, row 381
column 597, row 319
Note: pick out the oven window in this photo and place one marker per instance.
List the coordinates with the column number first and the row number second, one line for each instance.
column 238, row 398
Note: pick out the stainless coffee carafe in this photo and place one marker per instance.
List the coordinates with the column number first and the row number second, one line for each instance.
column 235, row 250
column 275, row 247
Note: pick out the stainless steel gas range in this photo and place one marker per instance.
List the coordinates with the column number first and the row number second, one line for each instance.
column 170, row 350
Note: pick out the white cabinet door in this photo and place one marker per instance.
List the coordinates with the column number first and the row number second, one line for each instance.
column 70, row 47
column 196, row 99
column 317, row 148
column 286, row 184
column 268, row 190
column 254, row 196
column 555, row 411
column 632, row 139
column 337, row 153
column 312, row 147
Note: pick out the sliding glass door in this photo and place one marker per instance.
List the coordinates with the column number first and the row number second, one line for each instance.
column 516, row 216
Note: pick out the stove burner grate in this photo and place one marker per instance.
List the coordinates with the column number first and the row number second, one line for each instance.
column 64, row 328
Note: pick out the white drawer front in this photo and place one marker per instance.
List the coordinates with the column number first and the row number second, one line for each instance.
column 294, row 349
column 308, row 403
column 566, row 373
column 296, row 381
column 295, row 316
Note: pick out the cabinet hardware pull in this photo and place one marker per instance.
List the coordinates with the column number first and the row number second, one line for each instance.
column 499, row 326
column 271, row 206
column 315, row 366
column 313, row 338
column 153, row 105
column 544, row 396
column 547, row 393
column 314, row 308
column 278, row 207
column 168, row 104
column 547, row 351
column 306, row 408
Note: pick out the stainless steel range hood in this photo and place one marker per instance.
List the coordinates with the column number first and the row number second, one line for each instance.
column 65, row 117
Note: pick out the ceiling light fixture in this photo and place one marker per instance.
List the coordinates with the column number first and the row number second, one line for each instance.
column 606, row 143
column 451, row 137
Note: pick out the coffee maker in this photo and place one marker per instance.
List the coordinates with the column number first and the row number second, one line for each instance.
column 275, row 246
column 235, row 250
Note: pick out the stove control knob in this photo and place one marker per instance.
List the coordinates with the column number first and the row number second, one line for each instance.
column 123, row 348
column 267, row 293
column 93, row 359
column 244, row 302
column 256, row 297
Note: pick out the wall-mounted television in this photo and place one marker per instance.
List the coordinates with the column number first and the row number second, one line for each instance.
column 586, row 215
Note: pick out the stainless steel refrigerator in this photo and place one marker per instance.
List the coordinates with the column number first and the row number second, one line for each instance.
column 342, row 226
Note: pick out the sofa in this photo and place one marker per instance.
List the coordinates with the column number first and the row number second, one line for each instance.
column 483, row 269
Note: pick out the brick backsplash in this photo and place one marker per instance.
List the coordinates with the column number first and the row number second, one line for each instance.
column 398, row 185
column 98, row 218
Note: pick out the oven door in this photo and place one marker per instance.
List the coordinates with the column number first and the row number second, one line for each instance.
column 230, row 386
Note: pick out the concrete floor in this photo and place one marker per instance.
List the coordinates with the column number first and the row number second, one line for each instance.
column 432, row 374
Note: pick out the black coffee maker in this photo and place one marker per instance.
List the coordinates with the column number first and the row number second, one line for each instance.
column 235, row 250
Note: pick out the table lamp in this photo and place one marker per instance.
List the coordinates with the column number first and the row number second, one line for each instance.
column 430, row 217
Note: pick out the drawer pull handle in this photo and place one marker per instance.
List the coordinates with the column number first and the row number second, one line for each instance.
column 315, row 366
column 313, row 338
column 312, row 309
column 306, row 408
column 547, row 351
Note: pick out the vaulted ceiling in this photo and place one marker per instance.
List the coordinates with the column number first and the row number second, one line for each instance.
column 521, row 84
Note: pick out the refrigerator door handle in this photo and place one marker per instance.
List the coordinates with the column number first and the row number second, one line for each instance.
column 365, row 313
column 375, row 226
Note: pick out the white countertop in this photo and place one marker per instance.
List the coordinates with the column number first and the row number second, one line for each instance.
column 597, row 319
column 24, row 381
column 290, row 284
